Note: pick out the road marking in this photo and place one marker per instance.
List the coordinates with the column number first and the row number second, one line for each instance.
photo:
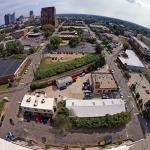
column 22, row 83
column 127, row 134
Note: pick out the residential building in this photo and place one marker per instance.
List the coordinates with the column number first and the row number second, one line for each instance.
column 9, row 19
column 103, row 83
column 48, row 16
column 141, row 48
column 130, row 61
column 99, row 28
column 144, row 39
column 23, row 32
column 95, row 107
column 14, row 69
column 64, row 82
column 67, row 35
column 38, row 104
column 128, row 33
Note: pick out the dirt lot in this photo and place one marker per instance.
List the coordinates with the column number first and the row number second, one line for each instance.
column 73, row 91
column 62, row 57
column 142, row 85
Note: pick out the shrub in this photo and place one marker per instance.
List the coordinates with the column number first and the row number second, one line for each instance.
column 35, row 86
column 107, row 121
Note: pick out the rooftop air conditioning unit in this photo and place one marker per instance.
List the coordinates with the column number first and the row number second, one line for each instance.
column 29, row 99
column 35, row 103
column 43, row 101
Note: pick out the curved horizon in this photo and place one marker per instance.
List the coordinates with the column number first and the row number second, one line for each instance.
column 135, row 11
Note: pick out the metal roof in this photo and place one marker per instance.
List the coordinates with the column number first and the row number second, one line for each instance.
column 95, row 107
column 64, row 80
column 131, row 60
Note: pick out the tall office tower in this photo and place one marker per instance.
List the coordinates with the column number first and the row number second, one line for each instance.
column 31, row 14
column 48, row 16
column 10, row 19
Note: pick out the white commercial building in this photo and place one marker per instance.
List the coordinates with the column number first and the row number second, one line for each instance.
column 64, row 82
column 5, row 145
column 95, row 107
column 38, row 103
column 131, row 61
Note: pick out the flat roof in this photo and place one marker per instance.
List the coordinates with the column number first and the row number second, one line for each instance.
column 5, row 145
column 95, row 107
column 104, row 80
column 9, row 66
column 131, row 60
column 38, row 101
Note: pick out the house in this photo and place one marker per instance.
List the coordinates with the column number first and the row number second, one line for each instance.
column 131, row 61
column 95, row 107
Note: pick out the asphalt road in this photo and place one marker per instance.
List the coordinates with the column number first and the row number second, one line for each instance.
column 137, row 127
column 16, row 97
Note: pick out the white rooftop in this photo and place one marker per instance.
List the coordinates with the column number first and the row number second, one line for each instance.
column 38, row 101
column 124, row 147
column 132, row 59
column 95, row 107
column 5, row 145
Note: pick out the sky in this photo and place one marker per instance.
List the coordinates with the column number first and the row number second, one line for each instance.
column 136, row 11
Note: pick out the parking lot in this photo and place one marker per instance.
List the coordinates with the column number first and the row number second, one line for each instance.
column 72, row 91
column 143, row 86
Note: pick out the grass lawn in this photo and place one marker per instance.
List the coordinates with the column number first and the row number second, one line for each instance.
column 2, row 104
column 4, row 87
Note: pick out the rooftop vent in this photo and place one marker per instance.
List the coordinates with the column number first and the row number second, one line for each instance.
column 35, row 103
column 43, row 100
column 29, row 99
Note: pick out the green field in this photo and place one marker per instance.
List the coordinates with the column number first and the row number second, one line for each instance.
column 51, row 69
column 4, row 87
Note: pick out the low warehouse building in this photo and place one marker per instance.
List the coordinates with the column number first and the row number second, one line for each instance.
column 11, row 69
column 64, row 82
column 95, row 107
column 131, row 61
column 103, row 83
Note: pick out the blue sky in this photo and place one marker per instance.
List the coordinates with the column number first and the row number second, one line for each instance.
column 132, row 10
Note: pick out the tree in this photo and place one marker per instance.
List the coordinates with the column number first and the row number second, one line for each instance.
column 133, row 87
column 2, row 37
column 14, row 47
column 36, row 30
column 55, row 42
column 127, row 75
column 137, row 96
column 48, row 30
column 73, row 42
column 126, row 45
column 1, row 48
column 99, row 48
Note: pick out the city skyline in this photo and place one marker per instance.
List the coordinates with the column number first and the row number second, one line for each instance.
column 131, row 10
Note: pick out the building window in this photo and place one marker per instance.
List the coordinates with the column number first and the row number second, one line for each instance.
column 36, row 109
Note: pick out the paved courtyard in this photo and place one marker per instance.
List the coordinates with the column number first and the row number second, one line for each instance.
column 73, row 91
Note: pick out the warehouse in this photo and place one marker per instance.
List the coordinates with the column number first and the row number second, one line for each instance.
column 95, row 107
column 11, row 69
column 131, row 62
column 64, row 82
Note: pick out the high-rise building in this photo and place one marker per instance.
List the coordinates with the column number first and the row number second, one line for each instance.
column 31, row 14
column 48, row 16
column 10, row 19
